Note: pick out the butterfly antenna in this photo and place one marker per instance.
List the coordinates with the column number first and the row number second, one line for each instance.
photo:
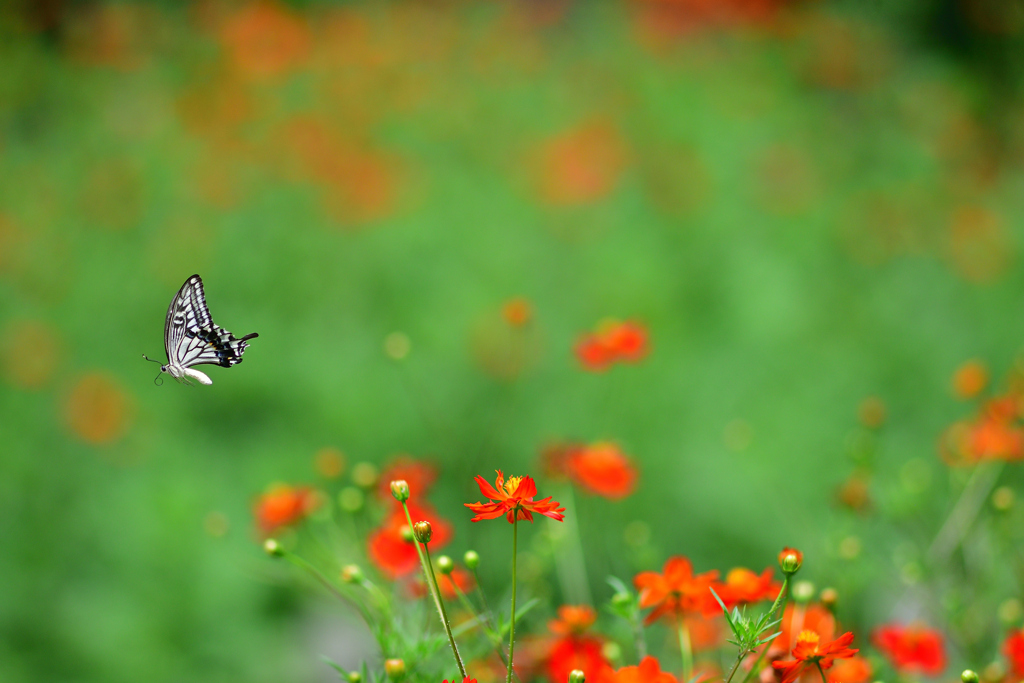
column 149, row 359
column 159, row 379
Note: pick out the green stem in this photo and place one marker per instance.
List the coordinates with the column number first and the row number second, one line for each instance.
column 639, row 640
column 779, row 600
column 428, row 571
column 821, row 671
column 512, row 625
column 686, row 648
column 570, row 560
column 966, row 510
column 316, row 574
column 732, row 672
column 492, row 636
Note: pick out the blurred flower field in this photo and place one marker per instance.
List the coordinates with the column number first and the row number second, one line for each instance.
column 718, row 278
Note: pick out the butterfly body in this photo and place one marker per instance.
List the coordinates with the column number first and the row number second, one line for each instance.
column 192, row 338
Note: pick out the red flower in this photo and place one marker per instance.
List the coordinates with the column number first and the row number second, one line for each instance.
column 467, row 679
column 572, row 620
column 742, row 587
column 676, row 591
column 514, row 500
column 810, row 651
column 914, row 648
column 602, row 468
column 1013, row 649
column 613, row 341
column 649, row 671
column 852, row 670
column 283, row 505
column 395, row 556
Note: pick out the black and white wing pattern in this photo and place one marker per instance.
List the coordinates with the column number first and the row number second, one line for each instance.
column 192, row 338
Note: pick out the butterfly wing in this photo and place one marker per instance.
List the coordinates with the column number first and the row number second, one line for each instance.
column 190, row 335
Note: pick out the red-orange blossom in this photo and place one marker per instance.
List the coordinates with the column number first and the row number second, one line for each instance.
column 514, row 500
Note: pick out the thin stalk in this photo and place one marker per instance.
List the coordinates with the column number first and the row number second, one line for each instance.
column 512, row 626
column 736, row 665
column 428, row 571
column 686, row 648
column 965, row 511
column 639, row 640
column 779, row 600
column 821, row 671
column 570, row 560
column 322, row 580
column 483, row 621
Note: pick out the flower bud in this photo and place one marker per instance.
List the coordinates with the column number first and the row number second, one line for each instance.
column 969, row 676
column 790, row 560
column 395, row 669
column 272, row 548
column 471, row 559
column 829, row 598
column 803, row 591
column 351, row 573
column 406, row 533
column 422, row 531
column 622, row 600
column 400, row 490
column 354, row 677
column 577, row 676
column 445, row 565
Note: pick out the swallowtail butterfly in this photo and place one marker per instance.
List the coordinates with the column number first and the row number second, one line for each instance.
column 192, row 338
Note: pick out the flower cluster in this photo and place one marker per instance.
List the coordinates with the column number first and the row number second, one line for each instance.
column 612, row 342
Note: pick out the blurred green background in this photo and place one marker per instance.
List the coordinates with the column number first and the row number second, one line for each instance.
column 806, row 203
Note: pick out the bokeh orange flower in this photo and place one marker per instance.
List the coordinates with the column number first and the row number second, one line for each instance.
column 513, row 499
column 393, row 555
column 450, row 584
column 98, row 409
column 265, row 39
column 676, row 592
column 743, row 587
column 1013, row 650
column 851, row 670
column 649, row 671
column 612, row 342
column 911, row 649
column 283, row 505
column 575, row 648
column 602, row 468
column 581, row 165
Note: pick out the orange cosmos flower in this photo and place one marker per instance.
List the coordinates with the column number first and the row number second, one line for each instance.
column 395, row 556
column 914, row 648
column 575, row 649
column 742, row 587
column 1013, row 650
column 676, row 591
column 799, row 618
column 810, row 651
column 852, row 670
column 514, row 500
column 970, row 379
column 467, row 679
column 602, row 468
column 649, row 671
column 283, row 505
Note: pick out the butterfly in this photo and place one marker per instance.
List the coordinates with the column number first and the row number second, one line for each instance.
column 192, row 338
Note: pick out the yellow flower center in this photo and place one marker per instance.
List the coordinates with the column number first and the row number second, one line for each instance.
column 809, row 638
column 511, row 484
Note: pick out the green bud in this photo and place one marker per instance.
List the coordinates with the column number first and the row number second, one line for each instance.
column 577, row 676
column 829, row 598
column 471, row 559
column 445, row 565
column 272, row 548
column 400, row 490
column 969, row 676
column 422, row 531
column 790, row 561
column 803, row 591
column 351, row 573
column 354, row 677
column 395, row 669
